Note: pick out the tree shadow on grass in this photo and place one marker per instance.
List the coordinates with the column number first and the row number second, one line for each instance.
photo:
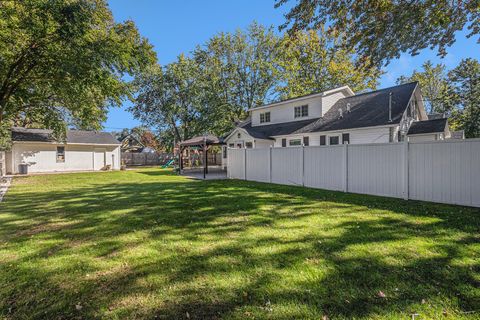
column 233, row 249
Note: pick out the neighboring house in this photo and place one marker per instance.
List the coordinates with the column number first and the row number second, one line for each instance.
column 130, row 143
column 82, row 151
column 340, row 116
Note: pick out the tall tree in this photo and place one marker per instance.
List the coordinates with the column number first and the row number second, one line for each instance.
column 466, row 80
column 436, row 89
column 168, row 99
column 381, row 30
column 64, row 61
column 238, row 72
column 309, row 62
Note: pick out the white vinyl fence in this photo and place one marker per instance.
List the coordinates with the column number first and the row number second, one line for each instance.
column 439, row 171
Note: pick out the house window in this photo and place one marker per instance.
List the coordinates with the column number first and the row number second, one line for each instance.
column 333, row 140
column 323, row 140
column 295, row 142
column 60, row 154
column 264, row 117
column 284, row 143
column 346, row 138
column 249, row 145
column 301, row 111
column 239, row 135
column 306, row 141
column 224, row 152
column 231, row 145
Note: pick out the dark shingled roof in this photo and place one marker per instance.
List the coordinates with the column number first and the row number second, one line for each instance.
column 428, row 126
column 278, row 129
column 73, row 136
column 366, row 110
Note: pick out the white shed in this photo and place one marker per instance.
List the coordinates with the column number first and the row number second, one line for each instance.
column 81, row 151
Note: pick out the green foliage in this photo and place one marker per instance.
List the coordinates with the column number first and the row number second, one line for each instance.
column 310, row 62
column 466, row 80
column 436, row 89
column 381, row 30
column 455, row 93
column 234, row 72
column 146, row 244
column 64, row 62
column 238, row 73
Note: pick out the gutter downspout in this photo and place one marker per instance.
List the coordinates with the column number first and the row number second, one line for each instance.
column 390, row 107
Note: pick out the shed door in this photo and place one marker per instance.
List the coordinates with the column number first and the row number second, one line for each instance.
column 99, row 159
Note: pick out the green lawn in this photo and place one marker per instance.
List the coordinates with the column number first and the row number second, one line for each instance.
column 149, row 244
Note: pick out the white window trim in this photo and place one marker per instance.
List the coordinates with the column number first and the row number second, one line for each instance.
column 339, row 136
column 295, row 145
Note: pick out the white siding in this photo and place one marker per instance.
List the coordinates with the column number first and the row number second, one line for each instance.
column 357, row 136
column 317, row 107
column 285, row 112
column 329, row 100
column 239, row 136
column 423, row 137
column 43, row 157
column 370, row 135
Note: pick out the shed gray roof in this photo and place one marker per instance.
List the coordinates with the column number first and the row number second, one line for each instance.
column 73, row 136
column 428, row 126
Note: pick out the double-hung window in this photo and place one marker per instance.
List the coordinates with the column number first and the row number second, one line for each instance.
column 346, row 138
column 323, row 140
column 264, row 117
column 301, row 111
column 333, row 140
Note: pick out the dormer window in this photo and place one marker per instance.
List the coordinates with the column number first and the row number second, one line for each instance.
column 301, row 111
column 264, row 117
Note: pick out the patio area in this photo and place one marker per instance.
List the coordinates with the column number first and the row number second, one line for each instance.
column 214, row 173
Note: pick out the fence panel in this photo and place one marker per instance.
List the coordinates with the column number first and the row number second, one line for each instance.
column 287, row 165
column 438, row 171
column 236, row 163
column 324, row 167
column 258, row 165
column 446, row 171
column 145, row 159
column 376, row 169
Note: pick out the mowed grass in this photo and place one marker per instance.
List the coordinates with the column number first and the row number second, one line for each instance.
column 149, row 244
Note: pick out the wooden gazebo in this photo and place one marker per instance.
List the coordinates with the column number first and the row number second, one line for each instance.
column 204, row 142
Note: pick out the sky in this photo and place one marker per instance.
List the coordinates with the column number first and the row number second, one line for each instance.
column 178, row 26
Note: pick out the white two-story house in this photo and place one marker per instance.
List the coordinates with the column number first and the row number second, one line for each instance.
column 340, row 116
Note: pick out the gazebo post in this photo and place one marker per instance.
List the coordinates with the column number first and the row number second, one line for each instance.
column 180, row 158
column 205, row 159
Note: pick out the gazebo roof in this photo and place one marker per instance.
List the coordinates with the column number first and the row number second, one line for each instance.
column 200, row 140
